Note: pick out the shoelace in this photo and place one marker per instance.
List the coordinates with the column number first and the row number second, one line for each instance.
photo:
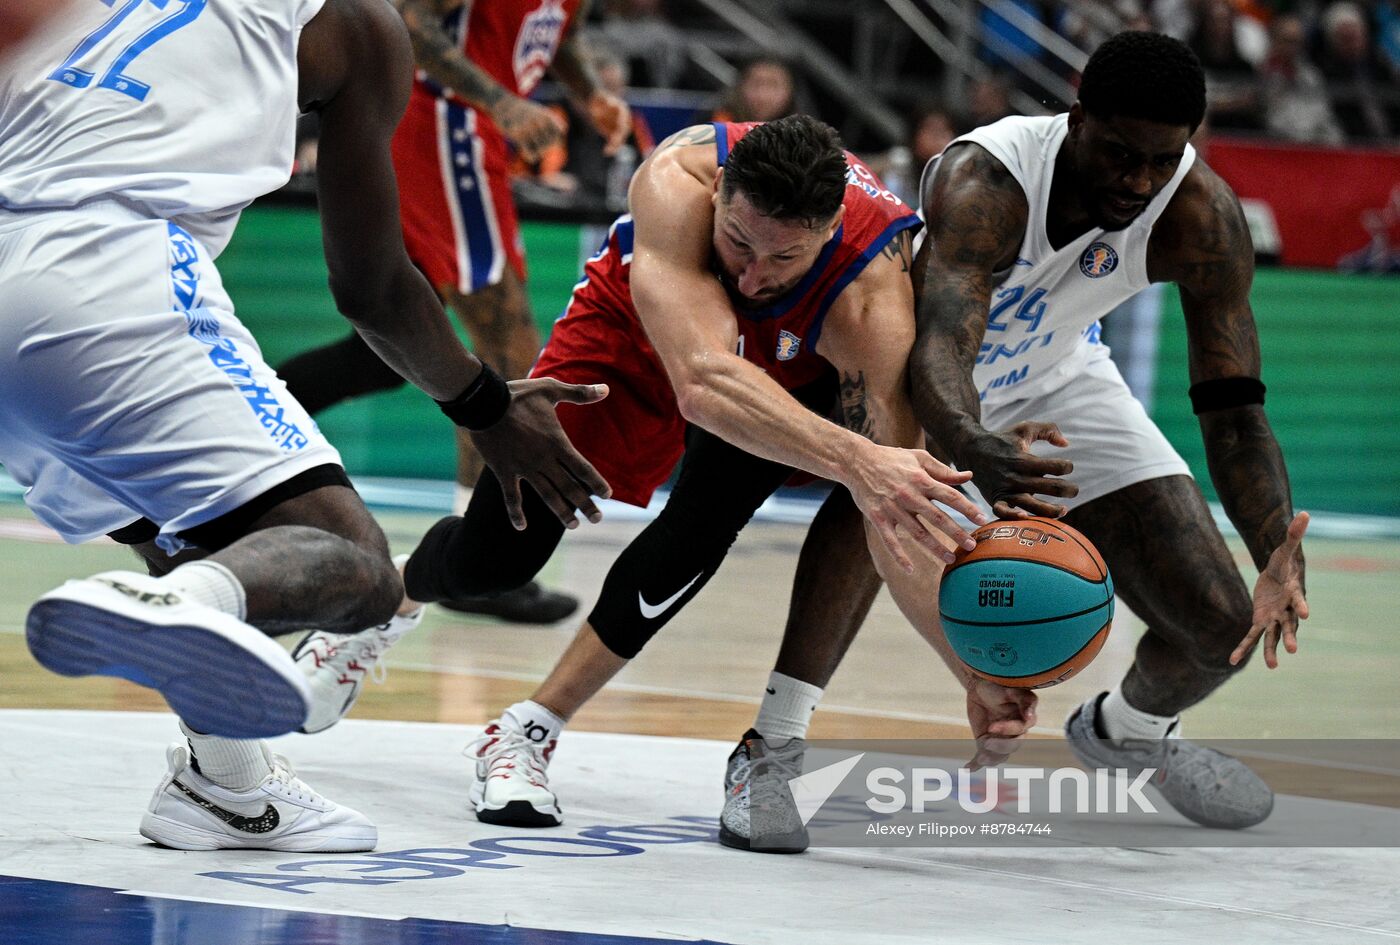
column 368, row 656
column 768, row 778
column 284, row 774
column 507, row 742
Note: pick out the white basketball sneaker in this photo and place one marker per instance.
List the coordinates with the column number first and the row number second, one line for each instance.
column 190, row 812
column 219, row 674
column 337, row 664
column 509, row 784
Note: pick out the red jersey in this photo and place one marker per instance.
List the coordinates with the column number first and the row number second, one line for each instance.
column 512, row 41
column 637, row 434
column 782, row 337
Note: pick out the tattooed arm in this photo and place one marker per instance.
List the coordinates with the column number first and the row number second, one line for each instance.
column 868, row 336
column 1202, row 243
column 610, row 115
column 530, row 127
column 976, row 215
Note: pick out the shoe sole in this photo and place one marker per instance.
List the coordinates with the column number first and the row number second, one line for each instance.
column 734, row 841
column 180, row 836
column 513, row 813
column 547, row 607
column 218, row 674
column 518, row 814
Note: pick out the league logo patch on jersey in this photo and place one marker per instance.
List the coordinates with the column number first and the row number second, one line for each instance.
column 1098, row 260
column 536, row 43
column 788, row 345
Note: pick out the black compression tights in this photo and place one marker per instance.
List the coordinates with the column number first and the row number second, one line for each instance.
column 718, row 490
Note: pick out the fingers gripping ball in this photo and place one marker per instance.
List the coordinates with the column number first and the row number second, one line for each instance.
column 1030, row 606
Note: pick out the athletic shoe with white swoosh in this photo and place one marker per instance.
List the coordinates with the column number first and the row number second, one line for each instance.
column 190, row 812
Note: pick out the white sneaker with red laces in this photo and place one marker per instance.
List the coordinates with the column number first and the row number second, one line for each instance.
column 337, row 664
column 509, row 783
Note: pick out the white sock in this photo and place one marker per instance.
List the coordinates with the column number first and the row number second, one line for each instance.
column 238, row 764
column 537, row 723
column 1122, row 720
column 461, row 498
column 787, row 708
column 211, row 584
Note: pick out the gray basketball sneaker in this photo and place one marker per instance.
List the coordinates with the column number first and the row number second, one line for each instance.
column 1203, row 784
column 759, row 812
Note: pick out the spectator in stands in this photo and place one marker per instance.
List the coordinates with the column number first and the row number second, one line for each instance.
column 1357, row 80
column 766, row 89
column 1296, row 106
column 932, row 127
column 653, row 48
column 1233, row 93
column 988, row 100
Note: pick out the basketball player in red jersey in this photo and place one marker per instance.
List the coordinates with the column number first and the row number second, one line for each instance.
column 477, row 64
column 760, row 285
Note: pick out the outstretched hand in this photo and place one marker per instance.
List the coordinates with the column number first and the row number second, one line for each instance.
column 528, row 443
column 1280, row 600
column 1010, row 476
column 1000, row 717
column 898, row 490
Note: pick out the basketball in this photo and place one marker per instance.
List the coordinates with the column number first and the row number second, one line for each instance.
column 1030, row 606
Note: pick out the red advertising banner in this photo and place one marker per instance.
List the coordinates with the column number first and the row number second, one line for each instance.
column 1335, row 207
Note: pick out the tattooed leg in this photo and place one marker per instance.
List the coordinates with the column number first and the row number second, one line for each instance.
column 1171, row 567
column 833, row 590
column 318, row 560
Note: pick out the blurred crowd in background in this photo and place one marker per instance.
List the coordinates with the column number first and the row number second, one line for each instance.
column 1307, row 71
column 1298, row 70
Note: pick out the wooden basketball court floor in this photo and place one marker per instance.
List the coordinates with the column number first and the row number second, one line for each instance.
column 80, row 869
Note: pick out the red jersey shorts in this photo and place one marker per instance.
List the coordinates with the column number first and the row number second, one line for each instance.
column 459, row 219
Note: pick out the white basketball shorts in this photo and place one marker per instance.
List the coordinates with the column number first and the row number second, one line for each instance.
column 1112, row 441
column 129, row 388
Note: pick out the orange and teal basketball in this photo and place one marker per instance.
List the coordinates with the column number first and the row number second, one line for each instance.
column 1030, row 606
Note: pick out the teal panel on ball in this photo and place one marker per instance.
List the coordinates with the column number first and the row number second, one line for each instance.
column 1011, row 592
column 1025, row 649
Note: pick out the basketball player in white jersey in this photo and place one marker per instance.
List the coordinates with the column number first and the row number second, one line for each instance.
column 1037, row 228
column 131, row 136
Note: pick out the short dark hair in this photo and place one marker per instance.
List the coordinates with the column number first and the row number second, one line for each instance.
column 790, row 169
column 1145, row 75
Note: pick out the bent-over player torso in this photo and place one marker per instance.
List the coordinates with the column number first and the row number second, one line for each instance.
column 637, row 435
column 1042, row 328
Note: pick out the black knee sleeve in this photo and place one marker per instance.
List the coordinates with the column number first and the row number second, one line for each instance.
column 481, row 552
column 663, row 568
column 323, row 377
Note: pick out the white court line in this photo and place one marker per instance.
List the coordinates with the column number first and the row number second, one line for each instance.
column 1118, row 890
column 391, row 917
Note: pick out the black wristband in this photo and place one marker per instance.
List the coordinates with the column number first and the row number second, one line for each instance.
column 1226, row 392
column 482, row 404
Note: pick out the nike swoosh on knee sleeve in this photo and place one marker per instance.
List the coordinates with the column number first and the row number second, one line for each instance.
column 652, row 611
